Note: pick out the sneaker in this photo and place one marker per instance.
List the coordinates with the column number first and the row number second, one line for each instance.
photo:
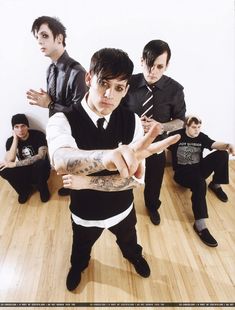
column 154, row 216
column 206, row 237
column 141, row 266
column 218, row 192
column 45, row 194
column 64, row 191
column 73, row 279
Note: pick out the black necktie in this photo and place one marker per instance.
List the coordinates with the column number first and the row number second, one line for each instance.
column 52, row 82
column 147, row 105
column 100, row 124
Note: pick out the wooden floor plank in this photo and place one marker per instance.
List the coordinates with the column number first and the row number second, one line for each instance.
column 35, row 243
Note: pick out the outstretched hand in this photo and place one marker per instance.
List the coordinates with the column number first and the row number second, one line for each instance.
column 126, row 158
column 41, row 98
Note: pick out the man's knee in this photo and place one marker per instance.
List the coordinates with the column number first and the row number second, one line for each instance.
column 222, row 156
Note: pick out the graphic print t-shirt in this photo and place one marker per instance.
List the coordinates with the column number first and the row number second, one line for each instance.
column 189, row 151
column 29, row 147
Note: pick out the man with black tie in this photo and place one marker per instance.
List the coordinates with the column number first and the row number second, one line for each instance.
column 99, row 148
column 156, row 97
column 65, row 77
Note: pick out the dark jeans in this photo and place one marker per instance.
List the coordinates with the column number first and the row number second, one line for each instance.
column 193, row 177
column 22, row 178
column 154, row 172
column 85, row 237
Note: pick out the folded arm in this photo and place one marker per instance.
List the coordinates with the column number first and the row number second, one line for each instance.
column 42, row 151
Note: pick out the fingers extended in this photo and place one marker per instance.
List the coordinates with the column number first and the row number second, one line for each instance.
column 163, row 144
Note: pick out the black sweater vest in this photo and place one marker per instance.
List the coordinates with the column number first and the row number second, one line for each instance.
column 92, row 204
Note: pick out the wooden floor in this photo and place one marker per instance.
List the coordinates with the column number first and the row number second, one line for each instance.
column 35, row 242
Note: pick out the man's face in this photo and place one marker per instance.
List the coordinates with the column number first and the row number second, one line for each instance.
column 193, row 130
column 21, row 131
column 153, row 74
column 48, row 45
column 105, row 95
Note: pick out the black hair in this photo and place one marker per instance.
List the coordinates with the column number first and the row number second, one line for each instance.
column 54, row 25
column 153, row 49
column 111, row 63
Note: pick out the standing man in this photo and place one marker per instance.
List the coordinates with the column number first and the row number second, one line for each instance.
column 156, row 97
column 65, row 77
column 191, row 170
column 100, row 146
column 26, row 162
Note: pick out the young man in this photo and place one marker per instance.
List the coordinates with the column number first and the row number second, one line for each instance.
column 99, row 146
column 156, row 97
column 32, row 167
column 191, row 170
column 65, row 77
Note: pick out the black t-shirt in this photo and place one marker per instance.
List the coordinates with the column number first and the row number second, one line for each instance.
column 188, row 151
column 28, row 148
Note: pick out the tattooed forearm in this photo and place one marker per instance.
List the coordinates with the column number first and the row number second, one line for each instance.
column 173, row 125
column 42, row 151
column 113, row 183
column 79, row 162
column 86, row 164
column 27, row 161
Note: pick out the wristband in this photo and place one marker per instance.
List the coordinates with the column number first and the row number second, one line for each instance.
column 51, row 105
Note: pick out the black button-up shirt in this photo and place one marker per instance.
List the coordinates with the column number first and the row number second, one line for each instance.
column 70, row 83
column 168, row 98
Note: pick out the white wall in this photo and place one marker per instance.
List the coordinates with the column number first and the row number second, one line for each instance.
column 199, row 32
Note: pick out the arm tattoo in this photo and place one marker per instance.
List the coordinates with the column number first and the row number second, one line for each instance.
column 112, row 183
column 173, row 125
column 42, row 151
column 80, row 162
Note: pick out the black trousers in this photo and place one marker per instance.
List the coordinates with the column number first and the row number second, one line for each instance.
column 22, row 178
column 85, row 237
column 154, row 172
column 194, row 178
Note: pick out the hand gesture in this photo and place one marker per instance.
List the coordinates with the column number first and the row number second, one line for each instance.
column 5, row 164
column 41, row 98
column 148, row 122
column 126, row 158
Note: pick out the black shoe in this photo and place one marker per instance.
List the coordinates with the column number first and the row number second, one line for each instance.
column 64, row 191
column 154, row 216
column 73, row 279
column 219, row 192
column 44, row 193
column 141, row 266
column 206, row 237
column 23, row 197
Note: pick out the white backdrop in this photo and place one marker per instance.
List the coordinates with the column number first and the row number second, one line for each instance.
column 199, row 32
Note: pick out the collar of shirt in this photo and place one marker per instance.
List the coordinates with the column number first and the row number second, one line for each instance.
column 62, row 62
column 159, row 84
column 93, row 116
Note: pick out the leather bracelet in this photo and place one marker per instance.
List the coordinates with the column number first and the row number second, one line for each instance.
column 51, row 105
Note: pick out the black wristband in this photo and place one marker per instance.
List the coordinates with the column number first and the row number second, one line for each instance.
column 51, row 105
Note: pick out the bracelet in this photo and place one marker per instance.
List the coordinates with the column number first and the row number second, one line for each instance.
column 51, row 105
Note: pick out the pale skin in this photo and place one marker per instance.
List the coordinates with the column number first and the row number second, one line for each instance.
column 152, row 75
column 53, row 48
column 20, row 132
column 104, row 97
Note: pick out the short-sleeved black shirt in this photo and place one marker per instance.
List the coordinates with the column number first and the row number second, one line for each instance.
column 28, row 148
column 188, row 151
